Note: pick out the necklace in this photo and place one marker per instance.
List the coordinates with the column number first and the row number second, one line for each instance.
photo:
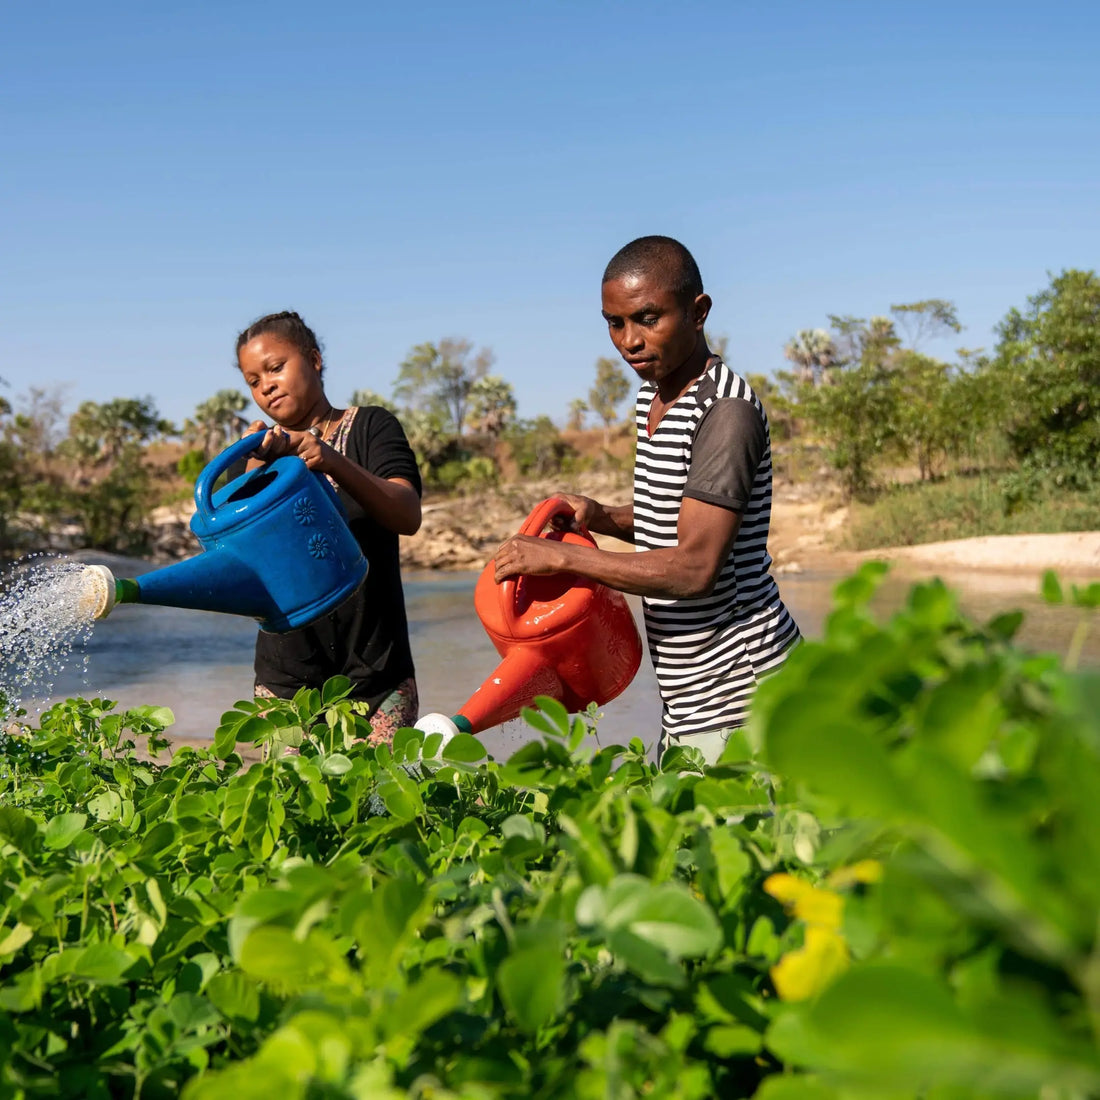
column 322, row 433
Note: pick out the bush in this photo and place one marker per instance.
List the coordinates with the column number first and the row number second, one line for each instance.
column 191, row 464
column 888, row 886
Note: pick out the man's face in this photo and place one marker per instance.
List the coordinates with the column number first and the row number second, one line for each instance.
column 651, row 330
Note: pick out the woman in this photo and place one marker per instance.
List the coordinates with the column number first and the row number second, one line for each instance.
column 364, row 453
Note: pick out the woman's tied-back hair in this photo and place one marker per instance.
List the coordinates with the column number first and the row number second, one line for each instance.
column 288, row 326
column 663, row 257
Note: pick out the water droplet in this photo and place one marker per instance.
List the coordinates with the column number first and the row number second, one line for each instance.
column 43, row 620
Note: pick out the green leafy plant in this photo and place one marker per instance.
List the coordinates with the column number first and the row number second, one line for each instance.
column 885, row 887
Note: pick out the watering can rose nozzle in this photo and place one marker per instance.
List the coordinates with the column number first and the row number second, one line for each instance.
column 102, row 590
column 441, row 723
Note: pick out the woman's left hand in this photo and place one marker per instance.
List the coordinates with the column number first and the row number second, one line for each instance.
column 308, row 447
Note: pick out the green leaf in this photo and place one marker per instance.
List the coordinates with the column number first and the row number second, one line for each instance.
column 64, row 829
column 235, row 996
column 18, row 829
column 800, row 1087
column 1052, row 588
column 666, row 916
column 832, row 755
column 159, row 716
column 1086, row 597
column 530, row 984
column 335, row 764
column 436, row 994
column 334, row 690
column 550, row 717
column 463, row 748
column 15, row 939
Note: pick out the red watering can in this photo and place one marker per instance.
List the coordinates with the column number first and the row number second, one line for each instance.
column 559, row 635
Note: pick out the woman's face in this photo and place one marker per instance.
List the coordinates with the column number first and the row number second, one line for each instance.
column 284, row 383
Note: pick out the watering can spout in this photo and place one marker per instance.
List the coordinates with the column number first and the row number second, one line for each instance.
column 212, row 581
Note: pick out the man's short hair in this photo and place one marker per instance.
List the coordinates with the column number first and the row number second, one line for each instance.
column 663, row 257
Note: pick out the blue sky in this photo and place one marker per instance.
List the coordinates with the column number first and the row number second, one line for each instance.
column 401, row 173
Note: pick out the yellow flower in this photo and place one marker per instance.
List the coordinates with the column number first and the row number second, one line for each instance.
column 806, row 971
column 823, row 955
column 809, row 903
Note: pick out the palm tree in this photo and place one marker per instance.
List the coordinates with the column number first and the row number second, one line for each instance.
column 814, row 354
column 217, row 421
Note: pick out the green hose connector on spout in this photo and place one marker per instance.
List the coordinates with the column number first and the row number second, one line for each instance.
column 126, row 590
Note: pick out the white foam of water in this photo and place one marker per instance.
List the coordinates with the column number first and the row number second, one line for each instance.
column 44, row 626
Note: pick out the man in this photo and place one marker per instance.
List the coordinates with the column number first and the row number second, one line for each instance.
column 701, row 505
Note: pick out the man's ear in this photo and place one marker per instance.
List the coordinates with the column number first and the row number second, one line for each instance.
column 318, row 365
column 700, row 310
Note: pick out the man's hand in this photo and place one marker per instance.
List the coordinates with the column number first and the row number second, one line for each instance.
column 585, row 511
column 527, row 555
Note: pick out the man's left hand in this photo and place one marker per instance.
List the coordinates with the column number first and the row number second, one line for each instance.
column 527, row 555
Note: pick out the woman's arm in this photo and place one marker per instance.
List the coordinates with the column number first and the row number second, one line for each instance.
column 392, row 502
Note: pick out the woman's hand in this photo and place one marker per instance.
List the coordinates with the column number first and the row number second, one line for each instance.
column 279, row 441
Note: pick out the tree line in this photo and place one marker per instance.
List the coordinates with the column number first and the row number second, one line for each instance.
column 1029, row 409
column 92, row 470
column 863, row 390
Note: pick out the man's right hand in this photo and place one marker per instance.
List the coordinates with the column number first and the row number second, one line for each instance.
column 585, row 517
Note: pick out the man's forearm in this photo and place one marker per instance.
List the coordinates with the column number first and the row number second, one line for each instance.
column 663, row 574
column 616, row 521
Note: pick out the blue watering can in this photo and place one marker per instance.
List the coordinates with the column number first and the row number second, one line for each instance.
column 277, row 548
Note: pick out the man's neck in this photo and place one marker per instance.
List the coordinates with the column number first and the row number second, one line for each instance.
column 680, row 381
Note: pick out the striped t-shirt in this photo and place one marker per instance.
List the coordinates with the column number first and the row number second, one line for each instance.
column 710, row 651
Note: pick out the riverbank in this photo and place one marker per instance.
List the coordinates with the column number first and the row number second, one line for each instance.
column 808, row 529
column 807, row 533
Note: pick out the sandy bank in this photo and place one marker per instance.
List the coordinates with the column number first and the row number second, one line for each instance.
column 1074, row 555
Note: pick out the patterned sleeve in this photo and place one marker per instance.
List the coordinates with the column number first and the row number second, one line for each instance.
column 379, row 445
column 730, row 440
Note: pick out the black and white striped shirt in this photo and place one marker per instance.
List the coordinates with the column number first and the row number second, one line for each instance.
column 710, row 651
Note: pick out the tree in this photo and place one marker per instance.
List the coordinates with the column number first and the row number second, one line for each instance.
column 430, row 443
column 610, row 388
column 813, row 353
column 857, row 412
column 30, row 481
column 1048, row 356
column 927, row 417
column 362, row 398
column 857, row 417
column 537, row 447
column 217, row 422
column 438, row 379
column 930, row 317
column 492, row 405
column 578, row 407
column 719, row 345
column 100, row 435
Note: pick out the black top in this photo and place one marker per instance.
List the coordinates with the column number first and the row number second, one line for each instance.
column 367, row 637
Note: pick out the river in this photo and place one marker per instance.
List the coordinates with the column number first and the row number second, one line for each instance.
column 199, row 663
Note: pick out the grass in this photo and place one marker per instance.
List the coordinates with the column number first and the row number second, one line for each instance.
column 961, row 506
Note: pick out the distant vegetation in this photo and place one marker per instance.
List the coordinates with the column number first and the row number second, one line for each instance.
column 922, row 448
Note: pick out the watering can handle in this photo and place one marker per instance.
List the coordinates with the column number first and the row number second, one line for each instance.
column 540, row 516
column 204, row 485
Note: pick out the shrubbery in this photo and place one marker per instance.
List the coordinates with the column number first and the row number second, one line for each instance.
column 888, row 887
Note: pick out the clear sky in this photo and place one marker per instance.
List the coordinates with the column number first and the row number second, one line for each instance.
column 403, row 172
